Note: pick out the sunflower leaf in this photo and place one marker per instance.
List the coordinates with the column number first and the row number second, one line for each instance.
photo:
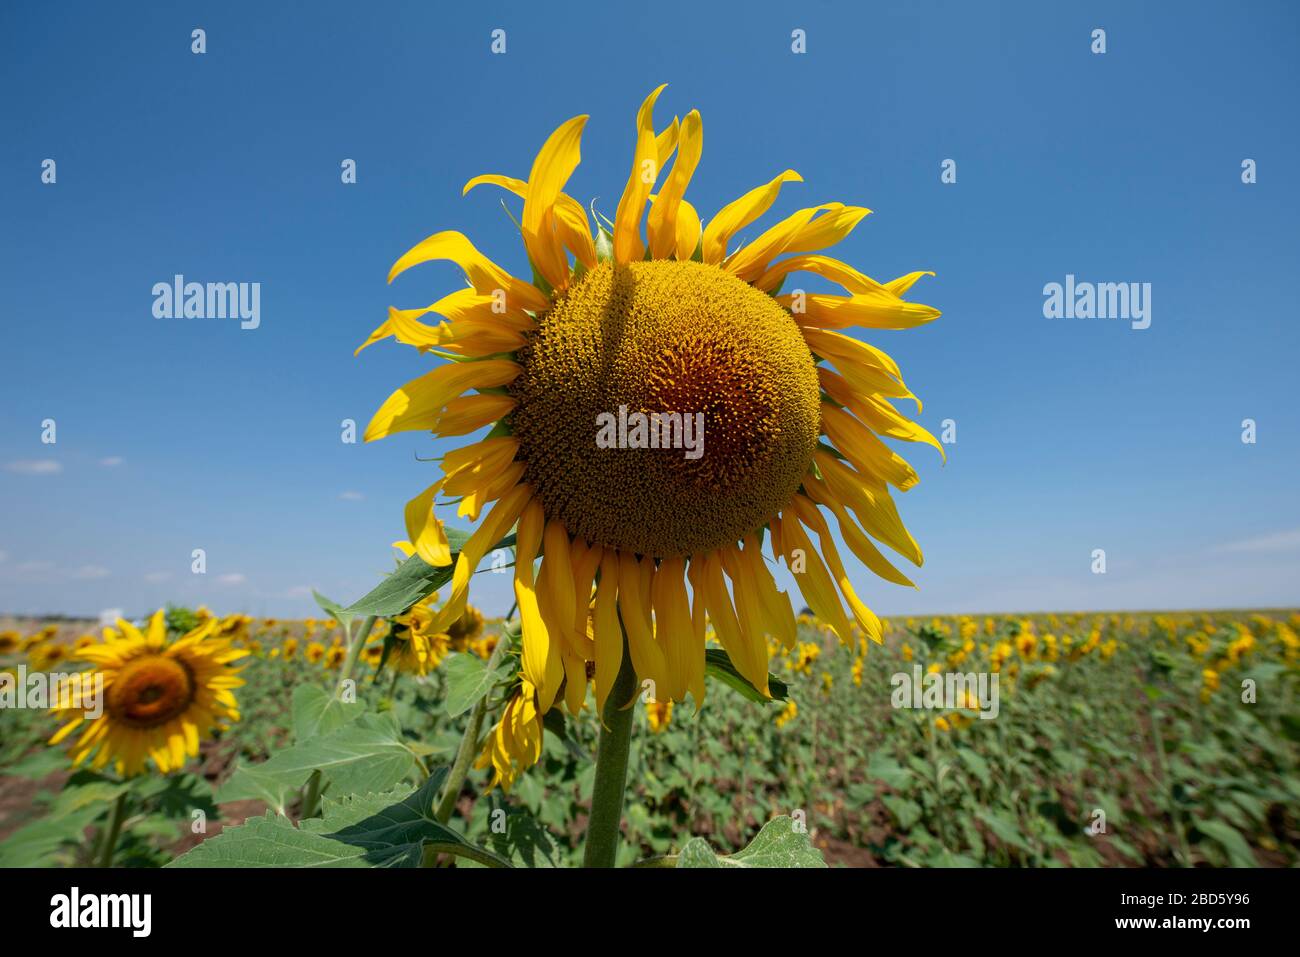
column 388, row 829
column 718, row 665
column 780, row 843
column 414, row 580
column 468, row 680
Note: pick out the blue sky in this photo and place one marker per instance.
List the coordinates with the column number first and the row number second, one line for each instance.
column 1072, row 434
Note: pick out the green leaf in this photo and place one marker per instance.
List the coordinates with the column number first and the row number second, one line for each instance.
column 392, row 829
column 778, row 844
column 717, row 664
column 32, row 846
column 1230, row 839
column 414, row 580
column 356, row 758
column 316, row 712
column 1003, row 829
column 468, row 680
column 905, row 812
column 334, row 610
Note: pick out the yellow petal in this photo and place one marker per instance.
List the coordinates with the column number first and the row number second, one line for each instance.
column 608, row 632
column 555, row 163
column 628, row 246
column 739, row 213
column 807, row 513
column 647, row 656
column 424, row 530
column 419, row 403
column 674, row 631
column 661, row 224
column 483, row 274
column 867, row 453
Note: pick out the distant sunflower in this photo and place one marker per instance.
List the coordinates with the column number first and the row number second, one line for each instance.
column 675, row 323
column 465, row 629
column 160, row 699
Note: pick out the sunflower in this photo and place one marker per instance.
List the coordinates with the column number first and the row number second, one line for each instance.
column 466, row 628
column 9, row 642
column 671, row 325
column 416, row 647
column 659, row 714
column 315, row 652
column 160, row 699
column 515, row 744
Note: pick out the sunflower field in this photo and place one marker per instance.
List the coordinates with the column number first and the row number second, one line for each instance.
column 1119, row 740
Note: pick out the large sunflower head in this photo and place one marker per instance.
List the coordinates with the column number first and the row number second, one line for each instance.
column 662, row 413
column 159, row 698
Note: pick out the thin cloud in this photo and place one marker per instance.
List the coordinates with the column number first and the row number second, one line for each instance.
column 155, row 577
column 1274, row 542
column 112, row 461
column 351, row 496
column 233, row 578
column 34, row 467
column 87, row 572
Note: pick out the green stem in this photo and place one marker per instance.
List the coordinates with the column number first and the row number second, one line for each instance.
column 354, row 652
column 612, row 750
column 115, row 818
column 468, row 749
column 310, row 797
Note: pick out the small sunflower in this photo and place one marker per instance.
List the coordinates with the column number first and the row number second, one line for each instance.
column 677, row 322
column 466, row 628
column 515, row 744
column 416, row 647
column 659, row 714
column 315, row 652
column 160, row 698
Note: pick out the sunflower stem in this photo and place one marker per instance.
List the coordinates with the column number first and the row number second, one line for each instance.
column 115, row 818
column 354, row 652
column 612, row 751
column 468, row 744
column 310, row 797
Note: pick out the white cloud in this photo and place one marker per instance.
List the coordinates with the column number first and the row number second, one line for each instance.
column 1274, row 542
column 233, row 578
column 109, row 616
column 299, row 591
column 89, row 572
column 112, row 461
column 155, row 577
column 351, row 496
column 35, row 467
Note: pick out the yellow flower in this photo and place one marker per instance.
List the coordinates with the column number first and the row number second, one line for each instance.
column 289, row 648
column 857, row 673
column 515, row 743
column 808, row 653
column 47, row 654
column 658, row 714
column 416, row 648
column 334, row 656
column 907, row 652
column 1209, row 683
column 315, row 652
column 682, row 327
column 9, row 642
column 160, row 699
column 788, row 714
column 827, row 682
column 1027, row 645
column 465, row 628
